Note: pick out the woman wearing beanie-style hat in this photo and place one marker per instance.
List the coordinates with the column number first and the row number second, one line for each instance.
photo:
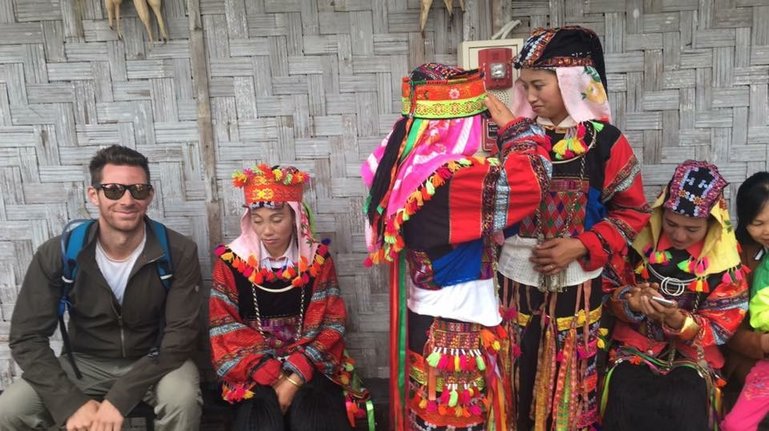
column 683, row 294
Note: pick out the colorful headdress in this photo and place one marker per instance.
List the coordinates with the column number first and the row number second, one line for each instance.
column 265, row 187
column 562, row 47
column 437, row 91
column 576, row 56
column 264, row 184
column 695, row 188
column 440, row 106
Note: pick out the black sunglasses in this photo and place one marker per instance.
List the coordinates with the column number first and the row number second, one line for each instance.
column 115, row 191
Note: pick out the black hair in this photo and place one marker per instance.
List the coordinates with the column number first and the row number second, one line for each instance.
column 116, row 155
column 381, row 183
column 752, row 196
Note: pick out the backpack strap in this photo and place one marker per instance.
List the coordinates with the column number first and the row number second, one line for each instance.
column 164, row 265
column 73, row 240
column 165, row 270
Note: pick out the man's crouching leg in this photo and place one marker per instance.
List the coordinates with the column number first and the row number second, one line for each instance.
column 22, row 409
column 177, row 399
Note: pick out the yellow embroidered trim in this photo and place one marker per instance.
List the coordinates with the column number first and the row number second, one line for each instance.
column 565, row 323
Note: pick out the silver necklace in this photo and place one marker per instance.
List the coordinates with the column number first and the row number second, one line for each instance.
column 666, row 283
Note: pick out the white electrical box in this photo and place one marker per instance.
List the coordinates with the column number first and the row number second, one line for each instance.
column 495, row 58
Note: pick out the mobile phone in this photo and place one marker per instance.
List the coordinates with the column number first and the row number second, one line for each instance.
column 664, row 301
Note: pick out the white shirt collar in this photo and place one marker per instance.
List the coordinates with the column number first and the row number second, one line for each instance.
column 566, row 123
column 289, row 257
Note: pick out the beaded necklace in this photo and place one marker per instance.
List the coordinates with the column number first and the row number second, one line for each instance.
column 297, row 276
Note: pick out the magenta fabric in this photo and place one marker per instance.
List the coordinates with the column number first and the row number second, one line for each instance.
column 753, row 403
column 438, row 142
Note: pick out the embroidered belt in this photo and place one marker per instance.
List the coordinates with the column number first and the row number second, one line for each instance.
column 565, row 323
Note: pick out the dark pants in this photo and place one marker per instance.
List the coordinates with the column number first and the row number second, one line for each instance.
column 640, row 400
column 531, row 303
column 317, row 406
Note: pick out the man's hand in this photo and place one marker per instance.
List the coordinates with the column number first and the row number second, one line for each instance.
column 83, row 417
column 108, row 418
column 285, row 391
column 554, row 255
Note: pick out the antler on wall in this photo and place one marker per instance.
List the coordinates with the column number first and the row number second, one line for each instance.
column 143, row 10
column 144, row 16
column 425, row 10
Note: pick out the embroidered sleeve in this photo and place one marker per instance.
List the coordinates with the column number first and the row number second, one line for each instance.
column 524, row 174
column 721, row 313
column 322, row 342
column 627, row 209
column 617, row 284
column 488, row 195
column 239, row 353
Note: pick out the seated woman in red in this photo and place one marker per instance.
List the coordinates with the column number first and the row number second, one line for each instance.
column 683, row 295
column 277, row 319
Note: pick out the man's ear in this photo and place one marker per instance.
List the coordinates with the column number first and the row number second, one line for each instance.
column 93, row 195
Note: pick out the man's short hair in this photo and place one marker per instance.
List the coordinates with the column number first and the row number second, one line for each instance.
column 116, row 155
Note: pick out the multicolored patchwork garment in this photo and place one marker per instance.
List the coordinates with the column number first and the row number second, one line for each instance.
column 270, row 321
column 435, row 202
column 596, row 196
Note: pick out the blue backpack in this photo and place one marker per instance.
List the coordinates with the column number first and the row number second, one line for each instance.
column 73, row 239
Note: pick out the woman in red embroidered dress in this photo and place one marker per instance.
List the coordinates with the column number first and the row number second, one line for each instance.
column 552, row 262
column 277, row 319
column 683, row 294
column 436, row 200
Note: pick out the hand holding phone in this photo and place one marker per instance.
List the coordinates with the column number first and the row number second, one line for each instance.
column 664, row 301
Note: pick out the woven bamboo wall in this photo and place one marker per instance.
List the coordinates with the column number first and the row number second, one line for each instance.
column 315, row 83
column 688, row 79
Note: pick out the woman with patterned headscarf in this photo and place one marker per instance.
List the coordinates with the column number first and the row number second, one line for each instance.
column 682, row 296
column 552, row 261
column 435, row 201
column 277, row 319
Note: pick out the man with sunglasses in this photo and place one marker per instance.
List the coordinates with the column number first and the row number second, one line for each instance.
column 131, row 338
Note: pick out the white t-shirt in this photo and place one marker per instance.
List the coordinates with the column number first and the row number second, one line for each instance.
column 116, row 272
